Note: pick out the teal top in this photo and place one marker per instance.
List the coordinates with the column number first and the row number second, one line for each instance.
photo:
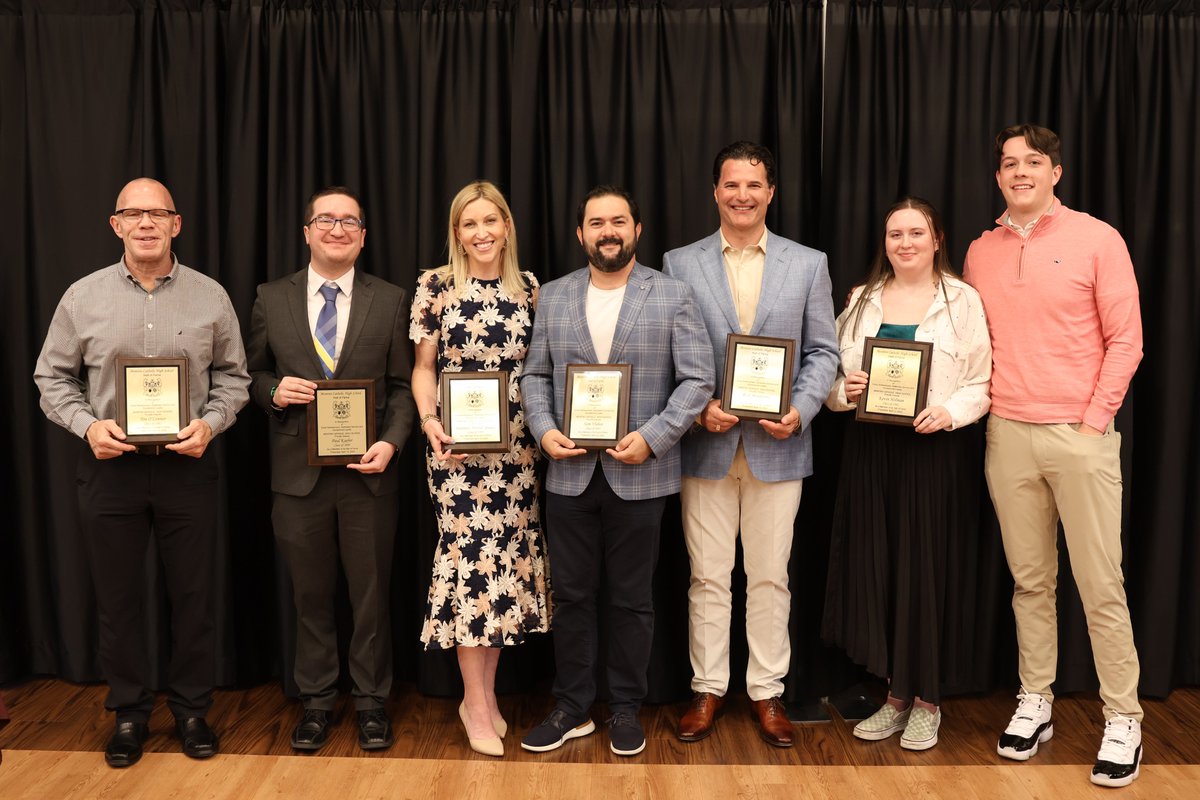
column 889, row 331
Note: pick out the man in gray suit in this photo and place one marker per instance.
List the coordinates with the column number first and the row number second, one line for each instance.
column 746, row 476
column 331, row 321
column 603, row 509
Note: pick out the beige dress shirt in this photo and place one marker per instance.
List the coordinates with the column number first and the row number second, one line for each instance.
column 744, row 268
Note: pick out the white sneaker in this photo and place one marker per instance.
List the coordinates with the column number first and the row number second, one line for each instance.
column 1120, row 756
column 1030, row 726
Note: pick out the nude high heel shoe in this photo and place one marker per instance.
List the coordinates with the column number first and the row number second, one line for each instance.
column 488, row 747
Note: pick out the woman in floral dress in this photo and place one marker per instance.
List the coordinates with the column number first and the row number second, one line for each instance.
column 489, row 585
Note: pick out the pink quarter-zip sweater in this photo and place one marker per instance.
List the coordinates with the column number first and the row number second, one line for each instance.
column 1062, row 308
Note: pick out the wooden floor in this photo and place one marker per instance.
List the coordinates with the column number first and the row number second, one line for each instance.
column 52, row 749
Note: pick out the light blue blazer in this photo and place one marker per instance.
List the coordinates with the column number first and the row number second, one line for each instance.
column 660, row 333
column 795, row 303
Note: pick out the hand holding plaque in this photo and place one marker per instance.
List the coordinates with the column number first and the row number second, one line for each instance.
column 758, row 376
column 341, row 422
column 898, row 383
column 475, row 411
column 152, row 399
column 596, row 405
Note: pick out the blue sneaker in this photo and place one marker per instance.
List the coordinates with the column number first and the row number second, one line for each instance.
column 555, row 729
column 625, row 734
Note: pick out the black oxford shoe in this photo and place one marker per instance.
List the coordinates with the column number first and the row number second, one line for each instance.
column 197, row 738
column 374, row 729
column 125, row 747
column 312, row 731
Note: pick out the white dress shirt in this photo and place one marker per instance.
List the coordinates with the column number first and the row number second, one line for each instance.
column 316, row 301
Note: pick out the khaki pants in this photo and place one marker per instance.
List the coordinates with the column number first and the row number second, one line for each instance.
column 1038, row 474
column 713, row 514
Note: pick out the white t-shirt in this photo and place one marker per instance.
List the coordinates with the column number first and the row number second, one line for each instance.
column 603, row 308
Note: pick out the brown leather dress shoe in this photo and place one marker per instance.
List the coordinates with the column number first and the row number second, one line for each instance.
column 697, row 721
column 773, row 723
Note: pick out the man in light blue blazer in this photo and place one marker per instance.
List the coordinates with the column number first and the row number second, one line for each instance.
column 603, row 509
column 745, row 476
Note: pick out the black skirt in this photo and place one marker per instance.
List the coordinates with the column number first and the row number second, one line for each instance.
column 903, row 554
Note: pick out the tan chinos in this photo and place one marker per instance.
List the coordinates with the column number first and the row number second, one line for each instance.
column 1037, row 474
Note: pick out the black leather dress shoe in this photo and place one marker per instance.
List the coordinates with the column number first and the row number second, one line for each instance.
column 125, row 747
column 374, row 729
column 312, row 731
column 198, row 739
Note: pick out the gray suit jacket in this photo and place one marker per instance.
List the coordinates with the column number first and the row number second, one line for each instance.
column 375, row 347
column 795, row 303
column 660, row 333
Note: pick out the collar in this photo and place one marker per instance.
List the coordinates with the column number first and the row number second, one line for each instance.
column 163, row 281
column 954, row 287
column 345, row 281
column 1005, row 220
column 761, row 244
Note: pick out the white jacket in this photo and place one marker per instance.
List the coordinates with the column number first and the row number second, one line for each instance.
column 961, row 370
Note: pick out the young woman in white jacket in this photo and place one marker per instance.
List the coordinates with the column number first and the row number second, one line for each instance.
column 902, row 554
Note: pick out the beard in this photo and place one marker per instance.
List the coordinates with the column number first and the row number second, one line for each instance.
column 616, row 262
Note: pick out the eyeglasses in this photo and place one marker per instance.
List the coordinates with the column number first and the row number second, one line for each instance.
column 135, row 214
column 349, row 224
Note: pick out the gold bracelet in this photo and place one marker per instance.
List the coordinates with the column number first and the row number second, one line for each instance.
column 426, row 417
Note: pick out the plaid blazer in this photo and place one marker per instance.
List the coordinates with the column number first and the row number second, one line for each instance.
column 660, row 333
column 795, row 303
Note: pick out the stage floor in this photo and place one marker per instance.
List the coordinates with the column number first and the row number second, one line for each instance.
column 53, row 749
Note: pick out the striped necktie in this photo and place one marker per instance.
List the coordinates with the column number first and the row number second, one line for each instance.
column 325, row 336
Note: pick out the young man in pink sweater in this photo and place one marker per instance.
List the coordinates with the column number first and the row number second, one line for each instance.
column 1062, row 308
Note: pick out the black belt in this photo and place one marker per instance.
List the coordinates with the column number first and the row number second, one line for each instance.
column 152, row 449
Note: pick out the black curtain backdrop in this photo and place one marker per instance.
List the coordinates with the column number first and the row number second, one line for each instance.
column 244, row 108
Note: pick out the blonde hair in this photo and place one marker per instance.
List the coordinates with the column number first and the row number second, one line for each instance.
column 458, row 271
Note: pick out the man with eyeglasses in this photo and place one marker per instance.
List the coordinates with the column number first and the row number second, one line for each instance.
column 332, row 321
column 147, row 305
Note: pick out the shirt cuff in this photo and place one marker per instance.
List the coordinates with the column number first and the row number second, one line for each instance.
column 215, row 421
column 80, row 424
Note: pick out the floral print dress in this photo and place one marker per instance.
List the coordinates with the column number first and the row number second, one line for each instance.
column 490, row 584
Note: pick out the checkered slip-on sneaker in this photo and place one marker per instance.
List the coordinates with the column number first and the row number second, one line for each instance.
column 922, row 729
column 882, row 724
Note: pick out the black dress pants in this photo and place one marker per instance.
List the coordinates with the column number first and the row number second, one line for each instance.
column 123, row 502
column 339, row 520
column 598, row 533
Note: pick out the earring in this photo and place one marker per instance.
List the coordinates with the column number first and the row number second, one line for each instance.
column 462, row 251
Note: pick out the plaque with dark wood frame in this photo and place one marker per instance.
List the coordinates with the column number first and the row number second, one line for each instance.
column 500, row 378
column 125, row 363
column 922, row 396
column 626, row 371
column 785, row 385
column 315, row 459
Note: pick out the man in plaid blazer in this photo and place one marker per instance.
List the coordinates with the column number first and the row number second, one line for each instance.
column 603, row 509
column 743, row 478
